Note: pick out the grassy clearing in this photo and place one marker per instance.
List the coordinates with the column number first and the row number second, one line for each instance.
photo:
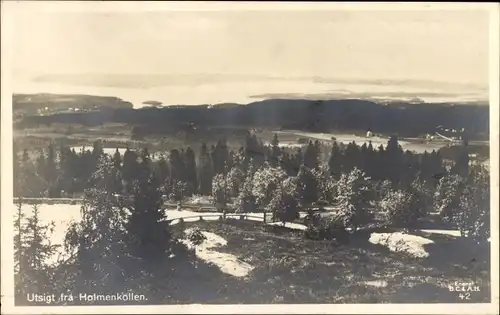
column 291, row 269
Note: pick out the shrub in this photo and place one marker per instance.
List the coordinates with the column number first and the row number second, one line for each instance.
column 473, row 213
column 319, row 228
column 246, row 201
column 396, row 206
column 447, row 196
column 195, row 236
column 284, row 203
column 354, row 196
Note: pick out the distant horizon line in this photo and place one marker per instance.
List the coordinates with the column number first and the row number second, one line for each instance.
column 273, row 97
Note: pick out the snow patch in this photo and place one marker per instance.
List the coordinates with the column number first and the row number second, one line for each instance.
column 375, row 283
column 455, row 233
column 293, row 226
column 227, row 263
column 200, row 200
column 401, row 242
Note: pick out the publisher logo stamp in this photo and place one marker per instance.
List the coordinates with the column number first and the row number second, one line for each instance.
column 464, row 290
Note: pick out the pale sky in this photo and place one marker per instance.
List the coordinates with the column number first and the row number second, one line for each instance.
column 448, row 46
column 437, row 45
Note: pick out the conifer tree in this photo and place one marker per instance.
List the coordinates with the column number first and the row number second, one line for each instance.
column 307, row 186
column 147, row 236
column 335, row 162
column 191, row 175
column 205, row 172
column 352, row 158
column 177, row 166
column 32, row 251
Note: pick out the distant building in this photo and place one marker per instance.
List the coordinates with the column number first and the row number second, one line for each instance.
column 450, row 133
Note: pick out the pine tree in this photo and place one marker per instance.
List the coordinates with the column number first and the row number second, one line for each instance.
column 352, row 158
column 117, row 160
column 307, row 186
column 205, row 172
column 253, row 150
column 461, row 166
column 334, row 162
column 147, row 236
column 297, row 161
column 67, row 170
column 163, row 170
column 311, row 156
column 177, row 166
column 220, row 156
column 130, row 165
column 191, row 175
column 394, row 158
column 275, row 151
column 97, row 151
column 32, row 251
column 380, row 163
column 368, row 159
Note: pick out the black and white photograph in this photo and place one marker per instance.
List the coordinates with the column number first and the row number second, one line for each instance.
column 169, row 154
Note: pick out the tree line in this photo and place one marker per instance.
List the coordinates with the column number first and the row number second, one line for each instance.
column 61, row 171
column 406, row 119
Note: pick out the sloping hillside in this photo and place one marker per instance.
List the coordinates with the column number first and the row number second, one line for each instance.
column 49, row 103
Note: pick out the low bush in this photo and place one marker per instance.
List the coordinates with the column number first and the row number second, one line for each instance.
column 319, row 228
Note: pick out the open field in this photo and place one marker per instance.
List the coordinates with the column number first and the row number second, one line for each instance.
column 116, row 135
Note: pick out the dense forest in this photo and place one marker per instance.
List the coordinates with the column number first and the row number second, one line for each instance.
column 60, row 171
column 123, row 244
column 405, row 119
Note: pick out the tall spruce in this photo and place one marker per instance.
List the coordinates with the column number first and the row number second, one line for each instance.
column 205, row 171
column 190, row 167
